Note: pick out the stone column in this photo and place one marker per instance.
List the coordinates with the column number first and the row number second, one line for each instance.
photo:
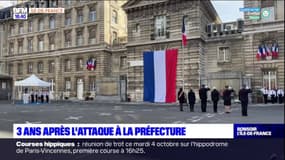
column 16, row 47
column 25, row 45
column 35, row 43
column 46, row 42
column 85, row 35
column 73, row 37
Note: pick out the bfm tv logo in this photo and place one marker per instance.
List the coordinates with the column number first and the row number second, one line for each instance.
column 20, row 13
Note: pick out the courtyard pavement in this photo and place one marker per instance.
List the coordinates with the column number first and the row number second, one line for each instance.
column 129, row 112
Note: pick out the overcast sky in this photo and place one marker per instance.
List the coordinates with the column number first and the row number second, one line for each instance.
column 227, row 10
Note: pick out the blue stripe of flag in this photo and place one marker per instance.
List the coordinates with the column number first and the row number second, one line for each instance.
column 148, row 76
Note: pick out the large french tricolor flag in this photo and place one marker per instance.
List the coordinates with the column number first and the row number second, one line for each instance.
column 160, row 75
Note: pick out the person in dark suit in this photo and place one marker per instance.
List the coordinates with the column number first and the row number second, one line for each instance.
column 36, row 96
column 32, row 97
column 203, row 96
column 227, row 98
column 47, row 96
column 215, row 95
column 181, row 98
column 42, row 96
column 243, row 97
column 191, row 100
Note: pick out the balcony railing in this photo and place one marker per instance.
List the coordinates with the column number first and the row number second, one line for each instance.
column 67, row 44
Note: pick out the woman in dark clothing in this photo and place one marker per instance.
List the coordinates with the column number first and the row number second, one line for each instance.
column 191, row 100
column 181, row 98
column 227, row 99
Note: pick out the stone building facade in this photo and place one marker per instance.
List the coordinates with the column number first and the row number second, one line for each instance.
column 217, row 53
column 56, row 47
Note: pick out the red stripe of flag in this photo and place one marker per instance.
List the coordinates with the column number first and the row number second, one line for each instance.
column 171, row 64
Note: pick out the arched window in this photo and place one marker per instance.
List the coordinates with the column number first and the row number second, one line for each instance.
column 115, row 17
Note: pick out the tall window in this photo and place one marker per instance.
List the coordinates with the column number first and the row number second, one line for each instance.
column 79, row 16
column 41, row 43
column 52, row 41
column 67, row 84
column 223, row 54
column 270, row 79
column 137, row 28
column 115, row 17
column 79, row 64
column 67, row 2
column 30, row 26
column 41, row 24
column 79, row 37
column 92, row 34
column 11, row 48
column 40, row 67
column 123, row 61
column 30, row 67
column 67, row 65
column 30, row 45
column 67, row 38
column 20, row 46
column 51, row 66
column 115, row 37
column 10, row 69
column 92, row 14
column 68, row 18
column 20, row 68
column 52, row 3
column 52, row 22
column 160, row 26
column 21, row 28
column 12, row 30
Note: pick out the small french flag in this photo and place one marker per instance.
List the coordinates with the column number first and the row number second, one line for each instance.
column 184, row 37
column 259, row 53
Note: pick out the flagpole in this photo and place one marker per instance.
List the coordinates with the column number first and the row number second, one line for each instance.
column 183, row 67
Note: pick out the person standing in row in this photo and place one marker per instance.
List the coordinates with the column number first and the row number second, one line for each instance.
column 227, row 99
column 215, row 95
column 181, row 98
column 42, row 97
column 265, row 92
column 36, row 96
column 203, row 96
column 32, row 97
column 273, row 95
column 191, row 100
column 280, row 94
column 243, row 97
column 47, row 96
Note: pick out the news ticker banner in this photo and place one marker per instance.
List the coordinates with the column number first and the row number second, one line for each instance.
column 147, row 131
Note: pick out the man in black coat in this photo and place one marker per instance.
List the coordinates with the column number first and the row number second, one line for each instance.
column 181, row 98
column 203, row 96
column 215, row 95
column 243, row 97
column 191, row 100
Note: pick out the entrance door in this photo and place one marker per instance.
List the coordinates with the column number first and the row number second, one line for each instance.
column 123, row 88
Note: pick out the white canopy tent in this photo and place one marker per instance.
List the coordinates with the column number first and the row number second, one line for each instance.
column 32, row 81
